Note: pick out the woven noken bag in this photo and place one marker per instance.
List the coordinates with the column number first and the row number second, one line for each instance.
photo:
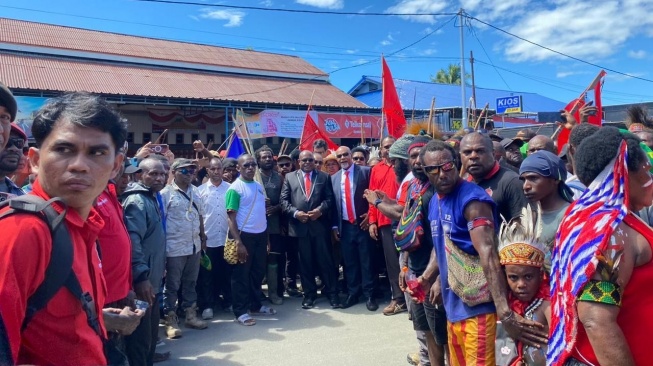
column 466, row 277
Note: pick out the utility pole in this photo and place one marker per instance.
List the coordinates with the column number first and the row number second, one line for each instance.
column 471, row 62
column 462, row 69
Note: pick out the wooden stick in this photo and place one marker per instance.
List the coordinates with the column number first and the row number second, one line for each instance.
column 555, row 133
column 412, row 116
column 487, row 105
column 382, row 102
column 428, row 128
column 248, row 142
column 308, row 110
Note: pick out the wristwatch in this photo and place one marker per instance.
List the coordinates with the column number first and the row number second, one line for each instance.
column 377, row 202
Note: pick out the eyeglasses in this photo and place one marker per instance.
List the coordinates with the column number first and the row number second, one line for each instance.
column 186, row 171
column 359, row 158
column 309, row 160
column 342, row 155
column 436, row 169
column 5, row 118
column 16, row 141
column 283, row 165
column 249, row 165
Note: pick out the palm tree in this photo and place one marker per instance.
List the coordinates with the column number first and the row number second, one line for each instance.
column 451, row 75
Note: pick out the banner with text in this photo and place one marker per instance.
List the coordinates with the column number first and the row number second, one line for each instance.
column 289, row 123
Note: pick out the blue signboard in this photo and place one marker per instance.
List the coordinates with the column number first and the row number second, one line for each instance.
column 509, row 105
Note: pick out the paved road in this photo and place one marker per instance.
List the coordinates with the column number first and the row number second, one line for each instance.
column 294, row 337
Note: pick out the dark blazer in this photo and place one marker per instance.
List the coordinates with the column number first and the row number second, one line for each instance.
column 293, row 199
column 361, row 206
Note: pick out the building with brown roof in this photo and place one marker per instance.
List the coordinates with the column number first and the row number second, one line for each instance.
column 192, row 89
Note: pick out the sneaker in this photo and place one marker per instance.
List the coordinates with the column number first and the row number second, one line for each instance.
column 395, row 308
column 160, row 357
column 207, row 314
column 172, row 325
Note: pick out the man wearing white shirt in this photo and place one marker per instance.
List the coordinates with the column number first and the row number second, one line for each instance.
column 216, row 282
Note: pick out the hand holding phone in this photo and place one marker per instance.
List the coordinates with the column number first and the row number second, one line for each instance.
column 160, row 149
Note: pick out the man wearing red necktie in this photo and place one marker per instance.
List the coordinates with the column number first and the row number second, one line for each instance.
column 350, row 225
column 306, row 198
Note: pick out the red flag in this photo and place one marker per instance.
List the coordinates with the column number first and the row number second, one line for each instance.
column 394, row 114
column 311, row 132
column 575, row 105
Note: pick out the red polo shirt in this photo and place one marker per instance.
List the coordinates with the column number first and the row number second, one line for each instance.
column 59, row 333
column 115, row 246
column 382, row 178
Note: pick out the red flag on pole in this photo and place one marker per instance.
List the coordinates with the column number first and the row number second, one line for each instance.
column 575, row 105
column 394, row 114
column 311, row 132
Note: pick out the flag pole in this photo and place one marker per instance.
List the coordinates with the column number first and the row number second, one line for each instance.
column 487, row 105
column 362, row 132
column 412, row 116
column 382, row 102
column 308, row 110
column 246, row 134
column 428, row 129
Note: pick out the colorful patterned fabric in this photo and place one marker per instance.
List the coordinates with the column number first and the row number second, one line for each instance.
column 471, row 341
column 584, row 233
column 601, row 291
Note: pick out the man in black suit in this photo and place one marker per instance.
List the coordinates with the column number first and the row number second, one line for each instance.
column 350, row 227
column 306, row 198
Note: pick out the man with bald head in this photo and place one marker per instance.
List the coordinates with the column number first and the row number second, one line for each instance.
column 245, row 204
column 144, row 222
column 502, row 184
column 306, row 198
column 350, row 227
column 541, row 142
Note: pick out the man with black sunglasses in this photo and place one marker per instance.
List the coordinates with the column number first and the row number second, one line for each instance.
column 307, row 198
column 9, row 159
column 185, row 239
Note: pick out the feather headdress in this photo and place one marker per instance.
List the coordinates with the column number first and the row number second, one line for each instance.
column 519, row 241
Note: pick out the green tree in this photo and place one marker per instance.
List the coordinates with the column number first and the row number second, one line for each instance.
column 450, row 75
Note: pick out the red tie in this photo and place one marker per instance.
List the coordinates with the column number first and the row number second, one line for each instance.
column 350, row 208
column 307, row 185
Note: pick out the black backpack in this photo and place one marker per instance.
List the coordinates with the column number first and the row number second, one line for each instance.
column 59, row 272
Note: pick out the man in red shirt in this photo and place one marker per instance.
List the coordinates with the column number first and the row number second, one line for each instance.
column 77, row 138
column 383, row 179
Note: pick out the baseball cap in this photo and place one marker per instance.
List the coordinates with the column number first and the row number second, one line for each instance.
column 508, row 141
column 181, row 163
column 129, row 168
column 18, row 130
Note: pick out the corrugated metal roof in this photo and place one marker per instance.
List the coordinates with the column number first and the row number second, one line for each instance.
column 449, row 96
column 67, row 38
column 37, row 73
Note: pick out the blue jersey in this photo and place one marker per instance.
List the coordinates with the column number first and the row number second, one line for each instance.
column 446, row 214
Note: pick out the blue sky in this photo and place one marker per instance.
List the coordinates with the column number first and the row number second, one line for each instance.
column 614, row 34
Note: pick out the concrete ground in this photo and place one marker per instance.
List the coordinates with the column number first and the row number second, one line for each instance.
column 294, row 337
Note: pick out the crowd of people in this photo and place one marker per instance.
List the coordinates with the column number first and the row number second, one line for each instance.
column 501, row 250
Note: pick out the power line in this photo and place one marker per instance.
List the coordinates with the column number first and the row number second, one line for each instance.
column 473, row 31
column 558, row 52
column 326, row 12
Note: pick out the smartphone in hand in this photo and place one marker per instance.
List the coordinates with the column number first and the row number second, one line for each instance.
column 140, row 304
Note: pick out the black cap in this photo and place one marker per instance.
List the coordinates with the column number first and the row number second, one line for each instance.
column 8, row 101
column 508, row 141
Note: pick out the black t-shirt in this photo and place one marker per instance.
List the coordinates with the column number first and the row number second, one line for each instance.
column 272, row 186
column 419, row 259
column 506, row 191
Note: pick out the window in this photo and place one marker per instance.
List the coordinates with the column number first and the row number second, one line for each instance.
column 130, row 137
column 147, row 137
column 210, row 137
column 179, row 138
column 194, row 137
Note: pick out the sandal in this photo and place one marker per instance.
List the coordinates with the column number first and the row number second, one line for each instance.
column 264, row 310
column 246, row 320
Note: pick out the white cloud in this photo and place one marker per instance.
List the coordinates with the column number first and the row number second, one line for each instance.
column 267, row 3
column 234, row 18
column 585, row 30
column 564, row 74
column 351, row 52
column 327, row 4
column 428, row 52
column 418, row 7
column 360, row 61
column 427, row 30
column 639, row 54
column 618, row 77
column 388, row 40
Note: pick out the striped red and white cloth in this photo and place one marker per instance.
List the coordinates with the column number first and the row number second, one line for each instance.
column 584, row 232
